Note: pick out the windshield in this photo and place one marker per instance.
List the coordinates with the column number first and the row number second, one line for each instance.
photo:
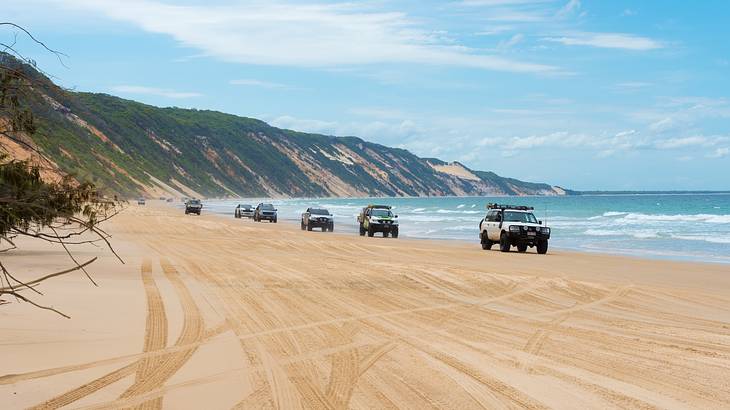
column 319, row 212
column 194, row 202
column 267, row 207
column 246, row 207
column 525, row 217
column 381, row 213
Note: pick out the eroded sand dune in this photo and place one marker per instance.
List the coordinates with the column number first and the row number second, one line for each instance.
column 217, row 313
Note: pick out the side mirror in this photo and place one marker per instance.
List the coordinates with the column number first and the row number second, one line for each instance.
column 540, row 222
column 396, row 216
column 276, row 210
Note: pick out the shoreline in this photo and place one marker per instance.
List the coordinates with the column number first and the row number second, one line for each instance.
column 638, row 254
column 206, row 313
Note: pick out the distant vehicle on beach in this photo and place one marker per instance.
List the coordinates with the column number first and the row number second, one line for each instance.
column 243, row 211
column 193, row 206
column 378, row 218
column 169, row 199
column 513, row 225
column 141, row 201
column 265, row 212
column 318, row 218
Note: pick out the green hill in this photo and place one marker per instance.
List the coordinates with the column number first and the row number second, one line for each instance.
column 135, row 149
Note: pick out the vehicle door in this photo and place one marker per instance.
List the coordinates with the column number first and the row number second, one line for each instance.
column 489, row 222
column 366, row 219
column 495, row 226
column 484, row 224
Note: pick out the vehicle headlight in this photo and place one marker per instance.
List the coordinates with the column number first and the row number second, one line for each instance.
column 514, row 228
column 545, row 230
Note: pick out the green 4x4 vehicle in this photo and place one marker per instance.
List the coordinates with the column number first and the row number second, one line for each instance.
column 378, row 218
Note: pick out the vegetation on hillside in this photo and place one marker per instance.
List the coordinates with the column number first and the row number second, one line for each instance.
column 135, row 149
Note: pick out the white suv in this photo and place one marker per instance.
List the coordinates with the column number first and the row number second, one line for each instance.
column 512, row 225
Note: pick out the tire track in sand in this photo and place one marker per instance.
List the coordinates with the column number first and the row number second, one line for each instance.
column 155, row 339
column 157, row 372
column 537, row 340
column 39, row 374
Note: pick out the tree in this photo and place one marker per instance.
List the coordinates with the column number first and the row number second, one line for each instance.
column 59, row 209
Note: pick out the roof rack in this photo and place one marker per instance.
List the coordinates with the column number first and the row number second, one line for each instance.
column 379, row 206
column 515, row 207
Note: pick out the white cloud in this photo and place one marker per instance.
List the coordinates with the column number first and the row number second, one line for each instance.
column 608, row 40
column 662, row 124
column 159, row 92
column 720, row 152
column 682, row 113
column 569, row 8
column 632, row 85
column 494, row 30
column 295, row 34
column 625, row 133
column 257, row 83
column 304, row 125
column 500, row 2
column 516, row 16
column 513, row 41
column 674, row 143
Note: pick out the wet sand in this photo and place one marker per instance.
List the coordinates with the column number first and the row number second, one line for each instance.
column 210, row 312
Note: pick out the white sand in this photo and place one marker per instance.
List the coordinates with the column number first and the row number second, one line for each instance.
column 213, row 313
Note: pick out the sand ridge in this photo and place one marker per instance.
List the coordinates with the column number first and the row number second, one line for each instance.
column 234, row 314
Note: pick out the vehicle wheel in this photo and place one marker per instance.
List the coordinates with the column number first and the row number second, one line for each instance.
column 371, row 232
column 486, row 243
column 302, row 224
column 521, row 248
column 504, row 243
column 395, row 234
column 332, row 228
column 309, row 228
column 362, row 230
column 276, row 220
column 542, row 247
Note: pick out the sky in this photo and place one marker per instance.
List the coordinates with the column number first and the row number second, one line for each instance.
column 611, row 95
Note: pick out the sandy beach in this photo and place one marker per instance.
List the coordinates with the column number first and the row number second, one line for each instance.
column 216, row 313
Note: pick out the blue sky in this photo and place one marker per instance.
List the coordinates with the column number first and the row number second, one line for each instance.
column 583, row 94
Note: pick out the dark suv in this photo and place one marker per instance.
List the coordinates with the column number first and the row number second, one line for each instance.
column 265, row 212
column 193, row 206
column 318, row 218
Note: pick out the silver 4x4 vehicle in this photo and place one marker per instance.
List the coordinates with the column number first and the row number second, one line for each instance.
column 243, row 211
column 512, row 225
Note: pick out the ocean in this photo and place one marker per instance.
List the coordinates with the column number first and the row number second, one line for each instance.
column 683, row 227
